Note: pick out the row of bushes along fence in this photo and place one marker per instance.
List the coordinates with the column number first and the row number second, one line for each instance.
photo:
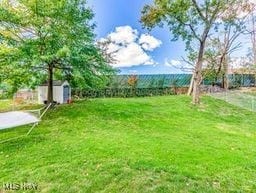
column 126, row 92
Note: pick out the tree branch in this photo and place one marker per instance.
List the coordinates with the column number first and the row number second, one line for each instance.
column 199, row 10
column 191, row 28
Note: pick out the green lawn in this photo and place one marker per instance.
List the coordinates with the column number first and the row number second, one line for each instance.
column 158, row 144
column 6, row 105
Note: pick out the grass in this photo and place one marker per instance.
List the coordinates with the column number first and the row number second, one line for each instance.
column 158, row 144
column 5, row 105
column 251, row 93
column 8, row 105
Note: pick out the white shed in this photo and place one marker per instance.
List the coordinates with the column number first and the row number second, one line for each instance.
column 61, row 92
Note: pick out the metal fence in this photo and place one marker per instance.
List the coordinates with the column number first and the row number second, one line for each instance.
column 154, row 85
column 152, row 81
column 180, row 80
column 238, row 98
column 242, row 80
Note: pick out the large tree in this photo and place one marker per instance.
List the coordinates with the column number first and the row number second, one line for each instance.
column 221, row 46
column 41, row 39
column 252, row 32
column 192, row 21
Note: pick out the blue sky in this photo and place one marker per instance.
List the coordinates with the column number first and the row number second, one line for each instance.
column 111, row 14
column 142, row 51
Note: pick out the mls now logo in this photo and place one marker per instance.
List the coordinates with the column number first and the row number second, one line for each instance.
column 19, row 186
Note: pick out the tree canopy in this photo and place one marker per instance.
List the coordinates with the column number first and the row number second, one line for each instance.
column 192, row 21
column 43, row 40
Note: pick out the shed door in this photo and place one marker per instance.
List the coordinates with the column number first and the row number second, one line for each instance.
column 66, row 93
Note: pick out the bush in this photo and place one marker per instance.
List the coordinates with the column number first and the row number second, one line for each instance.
column 123, row 92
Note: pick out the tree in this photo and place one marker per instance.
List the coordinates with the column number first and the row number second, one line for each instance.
column 252, row 32
column 133, row 82
column 253, row 39
column 49, row 38
column 219, row 48
column 192, row 21
column 104, row 45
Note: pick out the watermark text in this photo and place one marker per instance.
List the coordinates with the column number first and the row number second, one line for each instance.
column 26, row 186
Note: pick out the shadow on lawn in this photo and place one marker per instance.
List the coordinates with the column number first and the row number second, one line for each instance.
column 100, row 108
column 19, row 142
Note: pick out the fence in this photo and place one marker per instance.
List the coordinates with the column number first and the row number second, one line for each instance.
column 153, row 80
column 246, row 100
column 242, row 80
column 154, row 85
column 180, row 80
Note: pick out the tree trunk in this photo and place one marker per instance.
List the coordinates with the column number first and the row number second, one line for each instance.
column 225, row 76
column 225, row 86
column 50, row 84
column 253, row 39
column 190, row 89
column 197, row 77
column 196, row 87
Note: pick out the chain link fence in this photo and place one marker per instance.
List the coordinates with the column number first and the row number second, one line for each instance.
column 240, row 98
column 157, row 85
column 180, row 80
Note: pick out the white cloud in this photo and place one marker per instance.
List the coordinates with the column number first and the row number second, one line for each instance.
column 172, row 63
column 123, row 35
column 183, row 66
column 149, row 42
column 130, row 50
column 131, row 54
column 151, row 62
column 113, row 47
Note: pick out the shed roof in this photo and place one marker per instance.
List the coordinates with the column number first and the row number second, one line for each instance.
column 55, row 83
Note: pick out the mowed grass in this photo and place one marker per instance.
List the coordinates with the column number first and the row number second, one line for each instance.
column 9, row 105
column 158, row 144
column 6, row 105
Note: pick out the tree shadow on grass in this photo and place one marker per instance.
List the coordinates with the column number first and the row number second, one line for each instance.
column 20, row 141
